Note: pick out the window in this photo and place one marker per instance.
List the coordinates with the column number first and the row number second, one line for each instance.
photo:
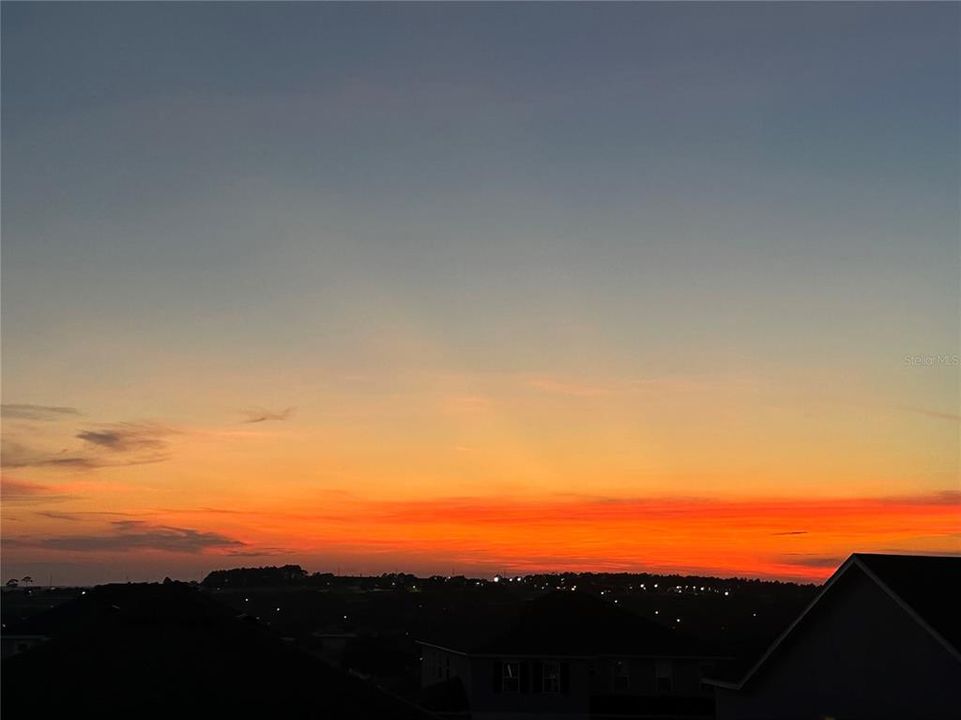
column 622, row 675
column 552, row 677
column 511, row 677
column 664, row 675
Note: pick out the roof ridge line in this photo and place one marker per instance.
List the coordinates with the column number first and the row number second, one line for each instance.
column 906, row 606
column 853, row 559
column 790, row 628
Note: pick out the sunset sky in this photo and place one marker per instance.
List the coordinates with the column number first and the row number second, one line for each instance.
column 478, row 288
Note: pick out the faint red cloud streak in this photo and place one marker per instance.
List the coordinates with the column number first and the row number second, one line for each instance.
column 592, row 509
column 788, row 538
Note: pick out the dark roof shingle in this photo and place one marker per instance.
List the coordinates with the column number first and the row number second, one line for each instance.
column 927, row 584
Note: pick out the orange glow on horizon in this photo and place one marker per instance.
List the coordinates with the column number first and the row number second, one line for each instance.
column 797, row 539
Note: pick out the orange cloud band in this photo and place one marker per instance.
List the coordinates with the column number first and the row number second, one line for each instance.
column 796, row 538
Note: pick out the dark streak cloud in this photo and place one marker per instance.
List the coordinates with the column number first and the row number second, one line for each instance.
column 132, row 535
column 17, row 491
column 204, row 511
column 261, row 415
column 116, row 445
column 127, row 437
column 813, row 561
column 944, row 497
column 792, row 532
column 936, row 414
column 78, row 516
column 16, row 455
column 261, row 552
column 23, row 411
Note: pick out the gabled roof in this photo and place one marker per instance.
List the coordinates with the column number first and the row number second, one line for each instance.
column 923, row 585
column 575, row 624
column 927, row 586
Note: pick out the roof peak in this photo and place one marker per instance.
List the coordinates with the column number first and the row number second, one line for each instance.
column 918, row 591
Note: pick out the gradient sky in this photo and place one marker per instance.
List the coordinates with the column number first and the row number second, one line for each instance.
column 478, row 288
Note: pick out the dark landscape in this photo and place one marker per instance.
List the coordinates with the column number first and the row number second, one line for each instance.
column 280, row 639
column 250, row 641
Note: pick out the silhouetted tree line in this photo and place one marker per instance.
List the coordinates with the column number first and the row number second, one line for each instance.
column 295, row 575
column 587, row 580
column 268, row 576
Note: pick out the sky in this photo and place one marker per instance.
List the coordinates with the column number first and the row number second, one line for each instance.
column 478, row 288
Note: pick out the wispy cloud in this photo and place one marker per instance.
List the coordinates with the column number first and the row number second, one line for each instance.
column 17, row 491
column 128, row 437
column 203, row 511
column 18, row 456
column 108, row 445
column 257, row 415
column 465, row 404
column 135, row 535
column 791, row 532
column 950, row 498
column 935, row 414
column 617, row 387
column 569, row 388
column 80, row 516
column 819, row 562
column 259, row 552
column 24, row 411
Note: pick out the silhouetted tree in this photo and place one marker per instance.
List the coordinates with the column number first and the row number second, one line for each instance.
column 256, row 577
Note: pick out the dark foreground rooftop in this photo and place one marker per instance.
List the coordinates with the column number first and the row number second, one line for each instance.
column 926, row 584
column 151, row 651
column 568, row 623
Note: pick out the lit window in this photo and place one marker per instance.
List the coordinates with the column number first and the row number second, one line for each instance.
column 512, row 677
column 552, row 677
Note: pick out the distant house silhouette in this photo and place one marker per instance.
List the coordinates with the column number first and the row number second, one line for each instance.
column 569, row 655
column 881, row 640
column 170, row 651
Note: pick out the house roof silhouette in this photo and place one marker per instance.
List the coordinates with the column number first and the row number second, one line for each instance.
column 573, row 624
column 160, row 651
column 923, row 586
